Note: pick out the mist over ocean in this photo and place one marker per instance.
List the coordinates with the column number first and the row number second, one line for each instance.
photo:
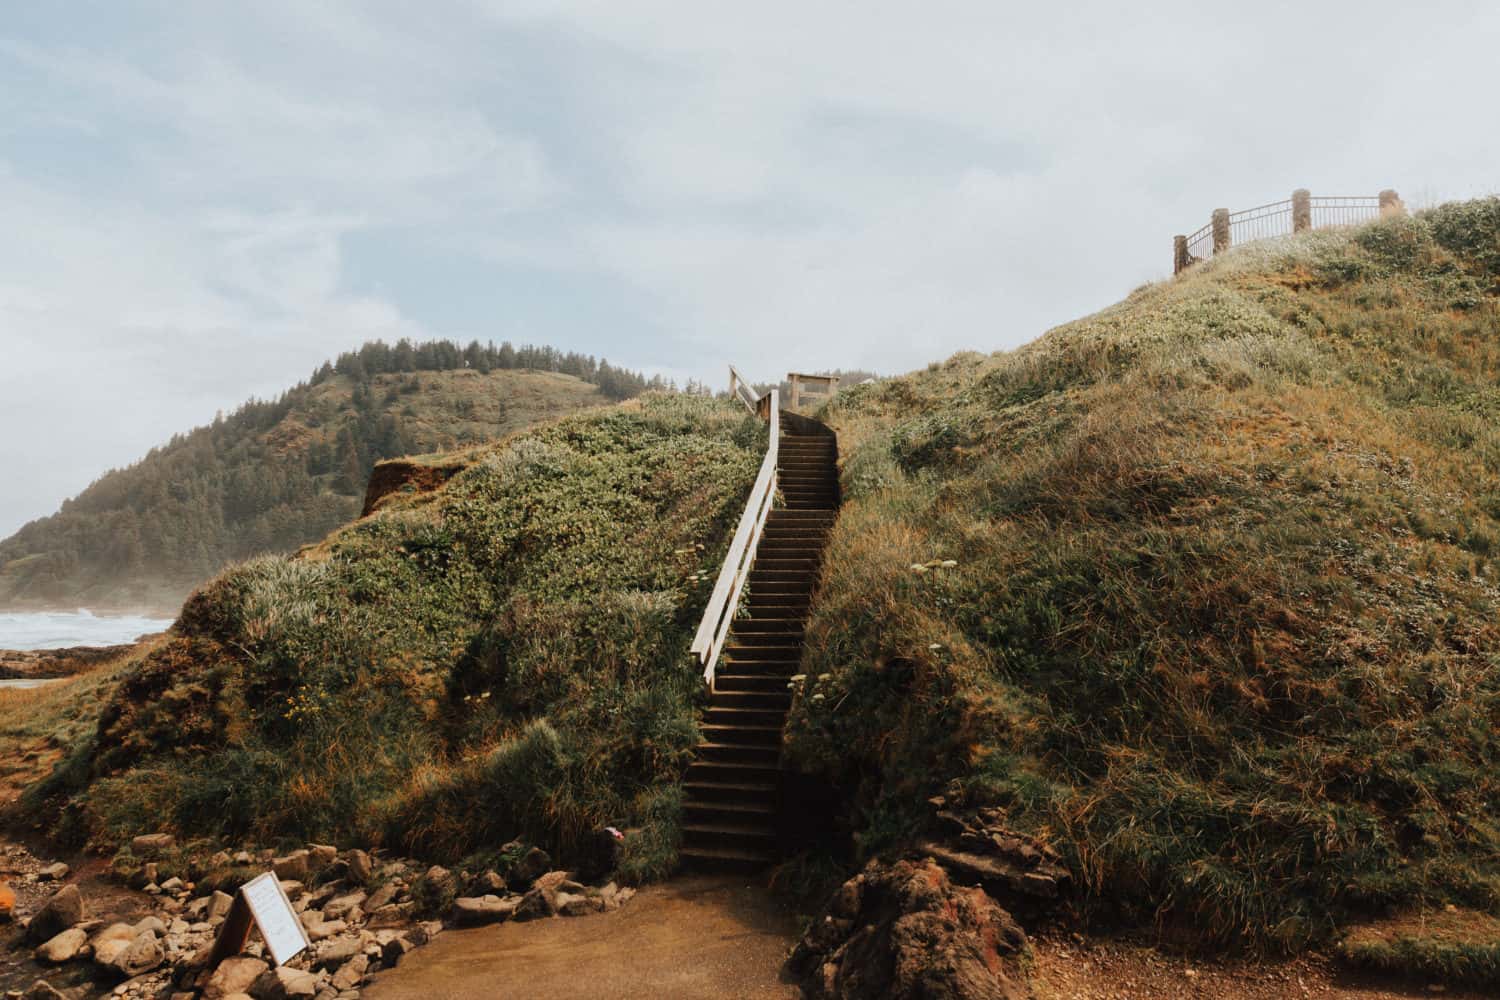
column 59, row 629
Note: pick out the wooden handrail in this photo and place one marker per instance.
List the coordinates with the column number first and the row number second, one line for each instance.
column 740, row 389
column 724, row 602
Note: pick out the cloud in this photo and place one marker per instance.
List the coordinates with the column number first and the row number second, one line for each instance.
column 204, row 206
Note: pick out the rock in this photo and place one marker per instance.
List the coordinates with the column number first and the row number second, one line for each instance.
column 391, row 915
column 392, row 951
column 218, row 906
column 53, row 873
column 351, row 973
column 292, row 867
column 334, row 953
column 150, row 845
column 143, row 955
column 533, row 864
column 234, row 975
column 322, row 930
column 538, row 902
column 320, row 856
column 342, row 906
column 913, row 935
column 173, row 885
column 153, row 924
column 110, row 943
column 291, row 887
column 42, row 990
column 359, row 866
column 573, row 905
column 488, row 884
column 65, row 909
column 284, row 983
column 7, row 903
column 63, row 947
column 381, row 896
column 475, row 911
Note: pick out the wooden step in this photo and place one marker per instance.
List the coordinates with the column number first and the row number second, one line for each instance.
column 740, row 753
column 769, row 700
column 733, row 836
column 724, row 861
column 729, row 773
column 738, row 792
column 720, row 715
column 749, row 681
column 729, row 812
column 748, row 735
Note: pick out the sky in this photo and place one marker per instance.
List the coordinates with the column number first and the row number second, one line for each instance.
column 203, row 201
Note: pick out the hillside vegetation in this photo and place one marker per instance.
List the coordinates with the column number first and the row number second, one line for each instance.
column 278, row 474
column 504, row 656
column 1201, row 589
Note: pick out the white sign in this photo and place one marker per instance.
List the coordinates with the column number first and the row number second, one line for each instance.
column 274, row 915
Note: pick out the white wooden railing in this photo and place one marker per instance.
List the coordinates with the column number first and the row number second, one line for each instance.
column 724, row 601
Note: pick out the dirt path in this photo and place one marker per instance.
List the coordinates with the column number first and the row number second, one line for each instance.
column 685, row 940
column 1108, row 970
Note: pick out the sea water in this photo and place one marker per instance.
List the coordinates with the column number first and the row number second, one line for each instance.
column 60, row 629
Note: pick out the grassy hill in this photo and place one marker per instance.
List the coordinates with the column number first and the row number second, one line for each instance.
column 279, row 474
column 503, row 656
column 1201, row 589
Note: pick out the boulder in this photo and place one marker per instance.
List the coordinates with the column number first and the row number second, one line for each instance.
column 392, row 951
column 284, row 983
column 293, row 867
column 322, row 930
column 63, row 947
column 65, row 909
column 360, row 868
column 538, row 902
column 320, row 856
column 234, row 975
column 143, row 954
column 42, row 990
column 391, row 915
column 150, row 845
column 174, row 885
column 342, row 906
column 475, row 911
column 573, row 905
column 533, row 864
column 351, row 973
column 488, row 884
column 53, row 873
column 334, row 953
column 381, row 896
column 154, row 924
column 218, row 906
column 905, row 932
column 110, row 943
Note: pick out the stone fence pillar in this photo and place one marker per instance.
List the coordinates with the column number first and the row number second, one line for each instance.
column 1301, row 210
column 1179, row 254
column 1221, row 230
column 1391, row 204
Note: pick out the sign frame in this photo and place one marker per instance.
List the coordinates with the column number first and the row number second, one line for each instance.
column 263, row 904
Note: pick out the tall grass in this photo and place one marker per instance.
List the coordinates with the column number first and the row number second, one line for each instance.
column 1223, row 618
column 504, row 657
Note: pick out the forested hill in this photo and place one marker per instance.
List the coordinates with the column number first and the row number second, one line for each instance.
column 280, row 473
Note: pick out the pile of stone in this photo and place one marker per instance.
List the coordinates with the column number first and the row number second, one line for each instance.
column 361, row 913
column 904, row 931
column 1024, row 874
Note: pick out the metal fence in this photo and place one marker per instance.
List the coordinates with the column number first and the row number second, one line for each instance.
column 1261, row 222
column 1351, row 211
column 1280, row 218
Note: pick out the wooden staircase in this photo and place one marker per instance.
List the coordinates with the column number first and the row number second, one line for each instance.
column 731, row 790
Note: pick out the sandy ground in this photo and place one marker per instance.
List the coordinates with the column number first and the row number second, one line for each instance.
column 685, row 940
column 1067, row 969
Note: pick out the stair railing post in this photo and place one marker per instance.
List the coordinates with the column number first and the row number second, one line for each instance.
column 1301, row 210
column 1221, row 230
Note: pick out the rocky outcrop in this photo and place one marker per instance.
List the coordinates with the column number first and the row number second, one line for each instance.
column 62, row 911
column 1024, row 874
column 904, row 931
column 404, row 475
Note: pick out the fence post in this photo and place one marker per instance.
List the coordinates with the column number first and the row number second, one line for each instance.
column 1301, row 210
column 1179, row 254
column 1391, row 204
column 796, row 403
column 1221, row 229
